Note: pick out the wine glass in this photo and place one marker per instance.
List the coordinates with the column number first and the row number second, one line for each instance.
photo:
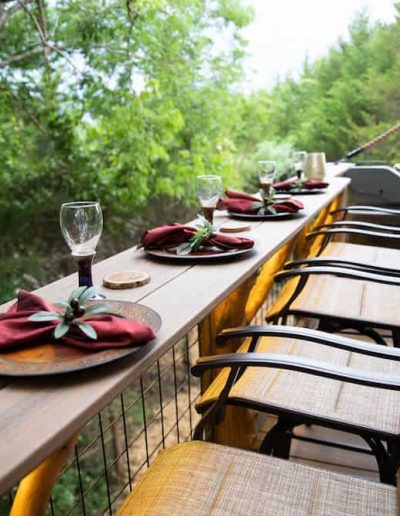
column 209, row 189
column 81, row 225
column 299, row 158
column 266, row 173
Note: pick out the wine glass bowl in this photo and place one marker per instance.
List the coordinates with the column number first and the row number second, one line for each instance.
column 209, row 189
column 266, row 173
column 81, row 225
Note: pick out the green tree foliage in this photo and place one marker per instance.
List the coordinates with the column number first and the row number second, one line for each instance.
column 126, row 102
column 122, row 102
column 339, row 102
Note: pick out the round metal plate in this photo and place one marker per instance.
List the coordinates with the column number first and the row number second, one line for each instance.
column 302, row 191
column 203, row 255
column 255, row 216
column 51, row 358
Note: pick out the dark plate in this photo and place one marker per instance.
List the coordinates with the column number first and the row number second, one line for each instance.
column 302, row 191
column 50, row 358
column 205, row 255
column 255, row 216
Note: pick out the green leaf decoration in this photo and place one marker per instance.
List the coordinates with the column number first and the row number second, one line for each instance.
column 60, row 330
column 45, row 316
column 204, row 230
column 96, row 309
column 184, row 249
column 271, row 210
column 299, row 184
column 74, row 313
column 86, row 295
column 88, row 330
column 62, row 302
column 76, row 293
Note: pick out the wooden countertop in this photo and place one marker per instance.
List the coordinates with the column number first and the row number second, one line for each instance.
column 38, row 415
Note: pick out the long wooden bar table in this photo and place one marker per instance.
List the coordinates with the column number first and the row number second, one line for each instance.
column 38, row 415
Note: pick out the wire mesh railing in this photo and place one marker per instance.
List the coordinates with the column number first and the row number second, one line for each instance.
column 117, row 445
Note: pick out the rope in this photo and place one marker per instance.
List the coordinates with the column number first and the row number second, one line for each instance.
column 371, row 143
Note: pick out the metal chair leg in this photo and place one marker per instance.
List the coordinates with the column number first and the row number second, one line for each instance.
column 386, row 466
column 278, row 440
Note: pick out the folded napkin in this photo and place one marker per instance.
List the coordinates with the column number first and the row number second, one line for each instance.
column 172, row 235
column 308, row 184
column 239, row 202
column 112, row 332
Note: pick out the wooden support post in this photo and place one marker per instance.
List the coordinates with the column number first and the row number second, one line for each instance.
column 34, row 490
column 238, row 428
column 304, row 248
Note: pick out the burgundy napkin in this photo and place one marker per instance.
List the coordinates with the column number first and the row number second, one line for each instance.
column 239, row 202
column 308, row 184
column 172, row 235
column 112, row 331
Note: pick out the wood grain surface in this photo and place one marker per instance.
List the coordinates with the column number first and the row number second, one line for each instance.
column 39, row 414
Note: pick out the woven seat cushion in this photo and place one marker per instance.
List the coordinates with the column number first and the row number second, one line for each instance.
column 198, row 478
column 373, row 408
column 341, row 297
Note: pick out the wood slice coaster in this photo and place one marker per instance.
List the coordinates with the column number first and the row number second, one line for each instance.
column 127, row 279
column 234, row 227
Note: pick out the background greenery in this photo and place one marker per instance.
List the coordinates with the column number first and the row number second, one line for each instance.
column 126, row 102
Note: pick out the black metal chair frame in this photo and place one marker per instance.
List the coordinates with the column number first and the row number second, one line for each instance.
column 384, row 446
column 365, row 210
column 308, row 267
column 329, row 231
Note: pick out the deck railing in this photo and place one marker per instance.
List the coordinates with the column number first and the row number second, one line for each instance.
column 156, row 411
column 119, row 443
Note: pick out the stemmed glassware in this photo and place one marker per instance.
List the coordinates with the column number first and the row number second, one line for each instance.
column 266, row 173
column 299, row 158
column 209, row 189
column 81, row 225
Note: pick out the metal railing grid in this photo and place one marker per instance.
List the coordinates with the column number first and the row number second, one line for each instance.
column 118, row 444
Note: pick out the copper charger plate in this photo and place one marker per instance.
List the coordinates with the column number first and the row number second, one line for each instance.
column 48, row 359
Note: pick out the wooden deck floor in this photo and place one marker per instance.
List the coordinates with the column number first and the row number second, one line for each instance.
column 342, row 461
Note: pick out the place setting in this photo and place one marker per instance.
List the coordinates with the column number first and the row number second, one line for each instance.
column 203, row 241
column 39, row 337
column 267, row 205
column 310, row 171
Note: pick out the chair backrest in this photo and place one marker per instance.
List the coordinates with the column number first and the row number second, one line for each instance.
column 304, row 248
column 376, row 185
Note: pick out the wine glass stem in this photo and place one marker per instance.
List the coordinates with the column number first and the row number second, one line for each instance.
column 208, row 214
column 85, row 270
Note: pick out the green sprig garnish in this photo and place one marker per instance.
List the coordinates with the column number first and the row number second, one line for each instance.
column 75, row 313
column 299, row 184
column 265, row 206
column 204, row 230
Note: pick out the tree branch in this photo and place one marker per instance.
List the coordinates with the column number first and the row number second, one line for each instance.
column 65, row 56
column 20, row 57
column 42, row 35
column 5, row 14
column 43, row 24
